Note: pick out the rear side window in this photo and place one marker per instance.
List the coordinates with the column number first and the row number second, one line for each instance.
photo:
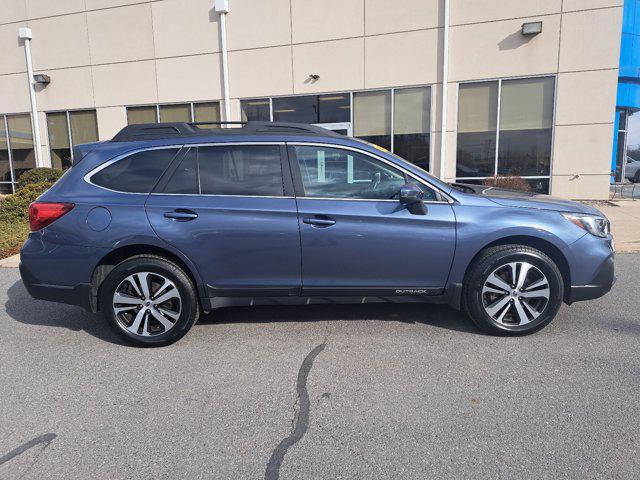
column 248, row 170
column 137, row 173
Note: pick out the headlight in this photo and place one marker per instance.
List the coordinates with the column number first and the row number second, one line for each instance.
column 598, row 226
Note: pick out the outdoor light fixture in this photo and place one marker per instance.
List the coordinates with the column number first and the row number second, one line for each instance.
column 314, row 76
column 531, row 28
column 24, row 33
column 42, row 79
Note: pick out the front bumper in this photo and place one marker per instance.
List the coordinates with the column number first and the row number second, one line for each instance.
column 601, row 284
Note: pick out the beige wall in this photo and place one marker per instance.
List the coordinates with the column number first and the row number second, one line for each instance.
column 107, row 54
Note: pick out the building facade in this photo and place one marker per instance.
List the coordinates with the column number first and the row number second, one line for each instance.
column 530, row 84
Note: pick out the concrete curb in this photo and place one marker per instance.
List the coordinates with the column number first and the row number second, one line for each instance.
column 10, row 262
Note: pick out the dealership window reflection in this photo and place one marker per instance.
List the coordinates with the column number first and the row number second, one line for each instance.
column 411, row 124
column 17, row 154
column 477, row 120
column 372, row 117
column 505, row 128
column 526, row 126
column 202, row 112
column 255, row 110
column 68, row 129
column 312, row 109
column 405, row 131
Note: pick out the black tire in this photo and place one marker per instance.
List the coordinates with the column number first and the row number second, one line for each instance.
column 188, row 301
column 636, row 177
column 493, row 258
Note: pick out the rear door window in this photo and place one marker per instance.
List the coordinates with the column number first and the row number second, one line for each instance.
column 137, row 173
column 244, row 170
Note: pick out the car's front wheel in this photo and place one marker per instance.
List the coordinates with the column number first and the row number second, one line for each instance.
column 512, row 290
column 149, row 301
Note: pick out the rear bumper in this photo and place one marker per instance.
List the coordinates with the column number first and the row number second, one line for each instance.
column 79, row 294
column 600, row 285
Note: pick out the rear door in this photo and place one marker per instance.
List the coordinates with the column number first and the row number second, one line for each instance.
column 230, row 208
column 357, row 239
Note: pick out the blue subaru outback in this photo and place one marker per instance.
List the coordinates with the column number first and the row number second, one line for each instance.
column 168, row 221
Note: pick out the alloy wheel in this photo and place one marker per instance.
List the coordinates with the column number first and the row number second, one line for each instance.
column 515, row 294
column 147, row 304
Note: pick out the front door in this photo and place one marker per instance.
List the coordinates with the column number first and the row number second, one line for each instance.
column 230, row 209
column 357, row 239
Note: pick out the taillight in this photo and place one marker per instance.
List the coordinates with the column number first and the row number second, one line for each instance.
column 42, row 214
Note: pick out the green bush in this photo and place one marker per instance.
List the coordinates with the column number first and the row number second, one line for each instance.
column 38, row 175
column 12, row 236
column 15, row 208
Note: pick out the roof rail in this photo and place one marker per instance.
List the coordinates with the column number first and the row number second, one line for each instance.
column 158, row 131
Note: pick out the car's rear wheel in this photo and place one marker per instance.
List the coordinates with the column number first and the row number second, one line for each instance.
column 149, row 301
column 513, row 290
column 636, row 177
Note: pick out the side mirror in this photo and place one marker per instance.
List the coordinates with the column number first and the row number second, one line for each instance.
column 411, row 195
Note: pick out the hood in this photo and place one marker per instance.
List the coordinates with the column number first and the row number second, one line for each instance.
column 513, row 198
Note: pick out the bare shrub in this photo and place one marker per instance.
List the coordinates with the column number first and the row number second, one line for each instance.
column 510, row 183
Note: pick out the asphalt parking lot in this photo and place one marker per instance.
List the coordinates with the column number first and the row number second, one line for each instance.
column 362, row 391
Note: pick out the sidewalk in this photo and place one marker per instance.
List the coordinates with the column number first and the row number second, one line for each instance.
column 625, row 223
column 10, row 262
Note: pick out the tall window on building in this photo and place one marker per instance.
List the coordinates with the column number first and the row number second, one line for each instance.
column 175, row 112
column 632, row 160
column 333, row 108
column 411, row 124
column 627, row 148
column 138, row 115
column 477, row 121
column 397, row 119
column 68, row 129
column 17, row 154
column 505, row 128
column 6, row 178
column 206, row 112
column 255, row 110
column 372, row 117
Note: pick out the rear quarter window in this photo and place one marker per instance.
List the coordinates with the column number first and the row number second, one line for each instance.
column 137, row 173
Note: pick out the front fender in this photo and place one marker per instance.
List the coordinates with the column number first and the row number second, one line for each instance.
column 478, row 227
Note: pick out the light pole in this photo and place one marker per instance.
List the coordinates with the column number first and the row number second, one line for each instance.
column 445, row 91
column 222, row 7
column 25, row 34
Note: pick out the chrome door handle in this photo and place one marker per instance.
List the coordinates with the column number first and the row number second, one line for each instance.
column 319, row 221
column 181, row 215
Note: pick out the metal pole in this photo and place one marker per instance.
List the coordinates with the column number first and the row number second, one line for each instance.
column 25, row 34
column 445, row 86
column 222, row 7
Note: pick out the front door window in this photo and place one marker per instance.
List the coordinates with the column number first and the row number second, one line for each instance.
column 338, row 173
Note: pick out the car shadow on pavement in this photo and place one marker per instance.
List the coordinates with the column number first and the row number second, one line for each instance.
column 24, row 309
column 439, row 316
